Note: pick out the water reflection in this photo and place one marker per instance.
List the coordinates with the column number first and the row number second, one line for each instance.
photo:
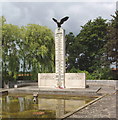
column 21, row 103
column 24, row 107
column 60, row 106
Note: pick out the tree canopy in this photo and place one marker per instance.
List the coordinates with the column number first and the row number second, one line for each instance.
column 30, row 49
column 26, row 49
column 87, row 51
column 112, row 44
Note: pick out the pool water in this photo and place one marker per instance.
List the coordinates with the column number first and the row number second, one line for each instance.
column 23, row 106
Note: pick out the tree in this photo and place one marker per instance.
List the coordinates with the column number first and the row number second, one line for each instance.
column 73, row 50
column 92, row 38
column 1, row 22
column 10, row 58
column 28, row 49
column 70, row 55
column 111, row 46
column 37, row 49
column 112, row 36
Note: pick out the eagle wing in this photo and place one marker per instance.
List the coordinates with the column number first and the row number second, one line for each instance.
column 54, row 20
column 63, row 20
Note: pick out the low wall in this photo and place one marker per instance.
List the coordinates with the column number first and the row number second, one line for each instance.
column 102, row 82
column 26, row 84
column 72, row 80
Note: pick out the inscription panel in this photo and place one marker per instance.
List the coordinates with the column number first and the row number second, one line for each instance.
column 60, row 56
column 72, row 80
column 75, row 80
column 46, row 80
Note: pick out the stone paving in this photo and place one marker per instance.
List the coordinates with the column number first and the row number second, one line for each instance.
column 103, row 109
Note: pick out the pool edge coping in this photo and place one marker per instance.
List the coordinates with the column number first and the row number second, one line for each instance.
column 82, row 107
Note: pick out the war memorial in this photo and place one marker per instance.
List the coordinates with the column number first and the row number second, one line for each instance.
column 60, row 95
column 60, row 78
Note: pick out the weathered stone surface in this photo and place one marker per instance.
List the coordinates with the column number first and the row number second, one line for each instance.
column 103, row 109
column 60, row 56
column 72, row 80
column 75, row 80
column 46, row 80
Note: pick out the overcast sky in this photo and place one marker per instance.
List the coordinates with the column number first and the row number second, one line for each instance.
column 23, row 13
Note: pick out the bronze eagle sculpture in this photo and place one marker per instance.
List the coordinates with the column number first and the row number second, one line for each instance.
column 59, row 23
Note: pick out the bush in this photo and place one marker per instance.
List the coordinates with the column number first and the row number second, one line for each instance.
column 99, row 74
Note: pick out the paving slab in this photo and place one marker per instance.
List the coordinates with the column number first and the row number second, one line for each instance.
column 30, row 89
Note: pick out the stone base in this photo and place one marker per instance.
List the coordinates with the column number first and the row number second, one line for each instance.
column 72, row 80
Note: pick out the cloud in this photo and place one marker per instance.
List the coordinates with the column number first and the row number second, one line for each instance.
column 23, row 13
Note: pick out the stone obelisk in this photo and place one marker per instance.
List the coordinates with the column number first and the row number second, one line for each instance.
column 60, row 57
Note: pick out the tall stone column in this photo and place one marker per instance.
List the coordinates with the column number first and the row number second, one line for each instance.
column 60, row 57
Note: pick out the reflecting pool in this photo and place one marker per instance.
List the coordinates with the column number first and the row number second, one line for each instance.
column 23, row 106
